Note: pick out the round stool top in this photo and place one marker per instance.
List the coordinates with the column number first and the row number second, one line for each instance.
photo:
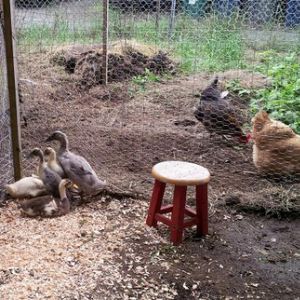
column 180, row 173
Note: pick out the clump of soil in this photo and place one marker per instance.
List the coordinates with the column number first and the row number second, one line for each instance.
column 88, row 66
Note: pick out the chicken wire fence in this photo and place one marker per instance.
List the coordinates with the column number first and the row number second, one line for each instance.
column 161, row 54
column 5, row 134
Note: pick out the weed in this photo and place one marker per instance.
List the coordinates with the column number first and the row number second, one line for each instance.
column 282, row 98
column 142, row 80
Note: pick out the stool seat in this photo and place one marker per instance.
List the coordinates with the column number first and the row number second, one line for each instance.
column 180, row 173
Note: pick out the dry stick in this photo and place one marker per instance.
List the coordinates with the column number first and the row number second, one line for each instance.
column 11, row 66
column 119, row 193
column 105, row 42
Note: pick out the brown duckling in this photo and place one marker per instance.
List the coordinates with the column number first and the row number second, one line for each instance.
column 49, row 177
column 48, row 206
column 52, row 162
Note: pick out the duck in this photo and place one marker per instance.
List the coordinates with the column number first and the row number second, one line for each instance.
column 54, row 165
column 52, row 162
column 48, row 206
column 50, row 178
column 26, row 187
column 76, row 167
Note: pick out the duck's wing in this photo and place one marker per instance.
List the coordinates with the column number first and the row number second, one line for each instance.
column 51, row 181
column 35, row 204
column 80, row 170
column 79, row 165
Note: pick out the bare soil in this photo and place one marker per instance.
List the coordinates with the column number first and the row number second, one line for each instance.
column 103, row 250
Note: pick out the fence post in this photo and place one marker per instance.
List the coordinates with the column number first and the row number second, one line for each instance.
column 157, row 16
column 11, row 67
column 105, row 42
column 172, row 18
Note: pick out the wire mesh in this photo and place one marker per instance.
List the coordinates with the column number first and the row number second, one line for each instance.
column 6, row 165
column 161, row 101
column 150, row 42
column 193, row 36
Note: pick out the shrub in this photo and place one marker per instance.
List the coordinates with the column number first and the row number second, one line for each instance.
column 282, row 97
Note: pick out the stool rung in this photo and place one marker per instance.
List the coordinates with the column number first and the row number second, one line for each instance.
column 166, row 209
column 163, row 219
column 190, row 223
column 190, row 212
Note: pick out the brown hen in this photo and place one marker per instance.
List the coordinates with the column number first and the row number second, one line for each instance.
column 218, row 115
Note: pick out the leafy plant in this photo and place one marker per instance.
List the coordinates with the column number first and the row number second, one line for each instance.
column 142, row 80
column 235, row 87
column 282, row 97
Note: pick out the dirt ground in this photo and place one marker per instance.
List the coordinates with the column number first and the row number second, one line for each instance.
column 103, row 250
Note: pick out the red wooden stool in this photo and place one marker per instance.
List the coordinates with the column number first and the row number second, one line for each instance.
column 181, row 175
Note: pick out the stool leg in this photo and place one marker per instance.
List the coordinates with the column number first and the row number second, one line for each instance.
column 177, row 218
column 202, row 209
column 155, row 202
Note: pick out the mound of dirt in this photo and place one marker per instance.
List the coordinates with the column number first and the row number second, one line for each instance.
column 125, row 60
column 120, row 67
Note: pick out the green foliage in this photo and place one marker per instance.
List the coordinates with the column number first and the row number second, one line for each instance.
column 235, row 87
column 142, row 80
column 282, row 97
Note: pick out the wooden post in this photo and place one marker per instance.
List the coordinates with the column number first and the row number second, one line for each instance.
column 157, row 16
column 172, row 18
column 11, row 66
column 105, row 41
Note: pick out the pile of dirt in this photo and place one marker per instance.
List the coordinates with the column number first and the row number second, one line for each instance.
column 88, row 66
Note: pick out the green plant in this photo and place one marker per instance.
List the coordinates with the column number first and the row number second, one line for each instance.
column 282, row 97
column 235, row 87
column 142, row 80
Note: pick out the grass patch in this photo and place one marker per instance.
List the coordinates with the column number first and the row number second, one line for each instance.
column 209, row 44
column 277, row 202
column 43, row 36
